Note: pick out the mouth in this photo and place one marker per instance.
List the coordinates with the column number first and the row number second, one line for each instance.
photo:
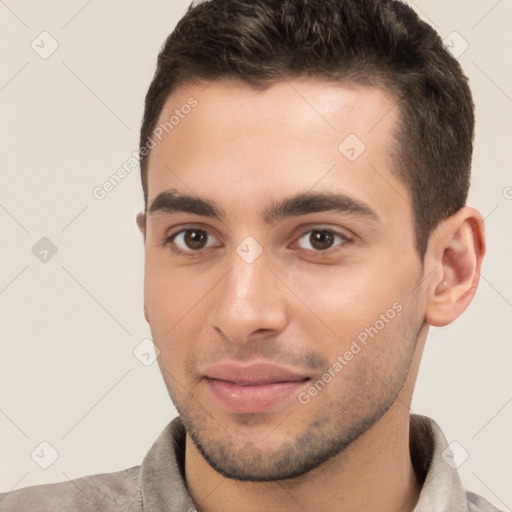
column 252, row 388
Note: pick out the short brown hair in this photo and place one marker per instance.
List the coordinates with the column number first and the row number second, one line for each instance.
column 380, row 43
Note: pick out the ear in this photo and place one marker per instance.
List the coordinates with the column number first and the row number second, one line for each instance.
column 455, row 249
column 141, row 223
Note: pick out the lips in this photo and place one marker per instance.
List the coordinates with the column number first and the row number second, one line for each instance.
column 252, row 387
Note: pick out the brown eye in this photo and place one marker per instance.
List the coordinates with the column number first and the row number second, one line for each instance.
column 190, row 240
column 321, row 240
column 195, row 238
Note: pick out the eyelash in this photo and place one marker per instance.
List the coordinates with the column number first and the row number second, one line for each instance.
column 168, row 242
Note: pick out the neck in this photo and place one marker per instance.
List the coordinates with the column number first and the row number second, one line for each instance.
column 374, row 473
column 375, row 470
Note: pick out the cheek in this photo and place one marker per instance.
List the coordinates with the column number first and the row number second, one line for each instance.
column 342, row 301
column 176, row 302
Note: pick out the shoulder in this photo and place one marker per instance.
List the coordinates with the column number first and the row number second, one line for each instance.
column 478, row 504
column 119, row 491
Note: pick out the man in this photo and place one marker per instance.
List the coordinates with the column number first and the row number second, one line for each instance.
column 305, row 166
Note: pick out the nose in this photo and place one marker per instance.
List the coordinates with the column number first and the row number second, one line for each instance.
column 249, row 301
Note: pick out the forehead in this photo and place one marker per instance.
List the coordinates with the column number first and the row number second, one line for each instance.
column 240, row 146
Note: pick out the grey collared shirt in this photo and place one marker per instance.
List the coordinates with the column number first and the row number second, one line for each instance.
column 158, row 484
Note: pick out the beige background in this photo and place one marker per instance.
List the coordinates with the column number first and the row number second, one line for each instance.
column 68, row 375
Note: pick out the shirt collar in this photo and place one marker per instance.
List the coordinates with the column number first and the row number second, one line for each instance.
column 432, row 459
column 163, row 486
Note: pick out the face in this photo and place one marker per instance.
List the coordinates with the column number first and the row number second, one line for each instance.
column 281, row 279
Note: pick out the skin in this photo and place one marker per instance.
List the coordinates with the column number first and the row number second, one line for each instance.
column 300, row 304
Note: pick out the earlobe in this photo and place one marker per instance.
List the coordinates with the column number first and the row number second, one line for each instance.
column 458, row 246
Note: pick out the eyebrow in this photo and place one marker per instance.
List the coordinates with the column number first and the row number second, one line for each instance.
column 170, row 201
column 308, row 202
